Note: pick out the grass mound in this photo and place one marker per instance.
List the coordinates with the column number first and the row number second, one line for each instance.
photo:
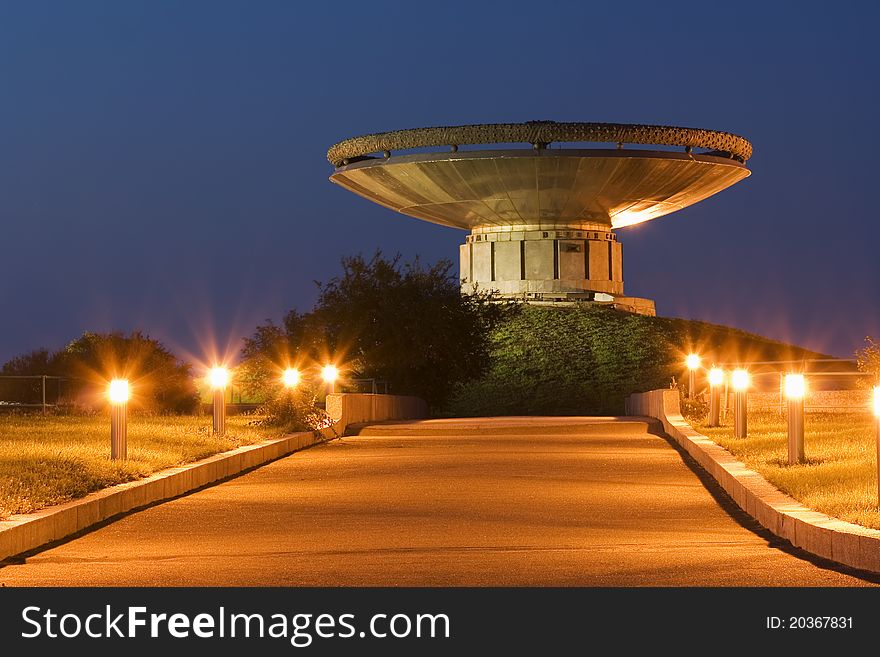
column 585, row 360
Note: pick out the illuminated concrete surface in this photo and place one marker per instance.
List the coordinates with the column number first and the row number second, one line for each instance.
column 507, row 501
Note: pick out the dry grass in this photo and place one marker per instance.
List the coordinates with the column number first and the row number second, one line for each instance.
column 840, row 475
column 49, row 460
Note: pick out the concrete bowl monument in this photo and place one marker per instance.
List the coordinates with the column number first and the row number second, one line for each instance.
column 542, row 199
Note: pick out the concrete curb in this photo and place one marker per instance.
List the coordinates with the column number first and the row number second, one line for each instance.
column 25, row 532
column 831, row 538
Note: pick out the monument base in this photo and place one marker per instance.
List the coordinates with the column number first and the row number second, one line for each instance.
column 565, row 264
column 635, row 305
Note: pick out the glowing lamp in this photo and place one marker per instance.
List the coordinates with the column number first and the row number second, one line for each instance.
column 290, row 377
column 693, row 364
column 218, row 377
column 877, row 401
column 119, row 391
column 740, row 379
column 795, row 386
column 330, row 373
column 716, row 376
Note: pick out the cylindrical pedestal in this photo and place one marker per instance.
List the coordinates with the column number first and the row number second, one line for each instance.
column 714, row 406
column 543, row 262
column 795, row 431
column 119, row 431
column 220, row 412
column 877, row 427
column 740, row 412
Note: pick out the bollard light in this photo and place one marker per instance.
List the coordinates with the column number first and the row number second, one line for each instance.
column 716, row 380
column 119, row 393
column 795, row 389
column 290, row 378
column 795, row 386
column 877, row 423
column 693, row 364
column 330, row 373
column 218, row 378
column 740, row 381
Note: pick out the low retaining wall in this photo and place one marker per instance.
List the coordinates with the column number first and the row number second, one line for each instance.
column 817, row 533
column 346, row 409
column 25, row 532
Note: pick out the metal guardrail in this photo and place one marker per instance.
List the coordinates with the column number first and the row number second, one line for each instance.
column 373, row 386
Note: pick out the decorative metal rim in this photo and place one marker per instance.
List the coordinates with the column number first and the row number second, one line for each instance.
column 539, row 134
column 470, row 155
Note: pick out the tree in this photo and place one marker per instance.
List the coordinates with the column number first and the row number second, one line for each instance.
column 403, row 323
column 264, row 356
column 34, row 362
column 868, row 359
column 161, row 382
column 24, row 391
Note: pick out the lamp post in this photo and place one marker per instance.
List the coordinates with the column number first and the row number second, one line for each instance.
column 119, row 393
column 740, row 381
column 716, row 380
column 693, row 364
column 219, row 378
column 877, row 425
column 330, row 373
column 795, row 389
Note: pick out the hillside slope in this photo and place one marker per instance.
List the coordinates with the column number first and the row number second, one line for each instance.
column 587, row 359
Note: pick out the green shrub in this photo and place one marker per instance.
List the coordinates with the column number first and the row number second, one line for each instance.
column 585, row 360
column 293, row 410
column 694, row 410
column 868, row 361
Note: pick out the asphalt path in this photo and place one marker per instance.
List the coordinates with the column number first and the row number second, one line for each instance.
column 484, row 502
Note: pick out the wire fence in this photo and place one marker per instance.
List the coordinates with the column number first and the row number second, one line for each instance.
column 834, row 385
column 45, row 392
column 41, row 391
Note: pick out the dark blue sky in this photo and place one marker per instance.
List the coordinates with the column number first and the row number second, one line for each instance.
column 162, row 164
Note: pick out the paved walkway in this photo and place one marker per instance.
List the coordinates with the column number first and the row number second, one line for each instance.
column 495, row 501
